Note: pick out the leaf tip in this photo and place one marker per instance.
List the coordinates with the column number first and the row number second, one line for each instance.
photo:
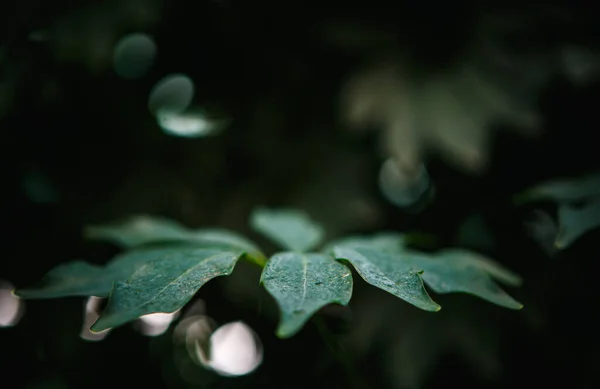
column 288, row 328
column 559, row 244
column 27, row 294
column 517, row 281
column 101, row 324
column 96, row 330
column 514, row 304
column 285, row 333
column 429, row 306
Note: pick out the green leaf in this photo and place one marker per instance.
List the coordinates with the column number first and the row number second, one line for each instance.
column 291, row 229
column 564, row 190
column 389, row 242
column 395, row 243
column 394, row 273
column 76, row 278
column 83, row 279
column 143, row 230
column 452, row 271
column 304, row 283
column 576, row 221
column 215, row 237
column 138, row 231
column 492, row 268
column 164, row 285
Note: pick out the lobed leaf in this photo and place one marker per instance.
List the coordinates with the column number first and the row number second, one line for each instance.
column 291, row 229
column 385, row 262
column 142, row 230
column 304, row 283
column 83, row 279
column 390, row 242
column 459, row 271
column 164, row 285
column 390, row 272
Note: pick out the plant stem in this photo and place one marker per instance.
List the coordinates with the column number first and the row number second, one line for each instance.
column 257, row 259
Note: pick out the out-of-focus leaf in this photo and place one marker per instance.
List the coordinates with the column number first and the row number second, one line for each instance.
column 566, row 190
column 76, row 278
column 455, row 270
column 542, row 227
column 393, row 273
column 390, row 242
column 83, row 279
column 291, row 229
column 164, row 285
column 141, row 230
column 137, row 231
column 576, row 221
column 492, row 268
column 304, row 283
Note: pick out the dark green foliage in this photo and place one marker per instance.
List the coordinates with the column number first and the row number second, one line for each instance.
column 578, row 203
column 166, row 264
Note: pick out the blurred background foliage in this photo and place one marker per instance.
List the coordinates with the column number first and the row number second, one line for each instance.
column 278, row 90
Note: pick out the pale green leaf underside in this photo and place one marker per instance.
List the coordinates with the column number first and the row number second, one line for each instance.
column 459, row 271
column 389, row 242
column 290, row 229
column 389, row 272
column 82, row 279
column 137, row 231
column 492, row 268
column 566, row 190
column 395, row 243
column 304, row 283
column 142, row 230
column 164, row 285
column 449, row 271
column 76, row 278
column 576, row 221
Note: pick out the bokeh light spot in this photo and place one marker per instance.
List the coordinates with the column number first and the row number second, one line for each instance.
column 187, row 125
column 172, row 94
column 90, row 315
column 11, row 306
column 156, row 324
column 235, row 350
column 134, row 55
column 401, row 189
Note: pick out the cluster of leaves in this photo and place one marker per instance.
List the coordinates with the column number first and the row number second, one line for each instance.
column 578, row 201
column 165, row 264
